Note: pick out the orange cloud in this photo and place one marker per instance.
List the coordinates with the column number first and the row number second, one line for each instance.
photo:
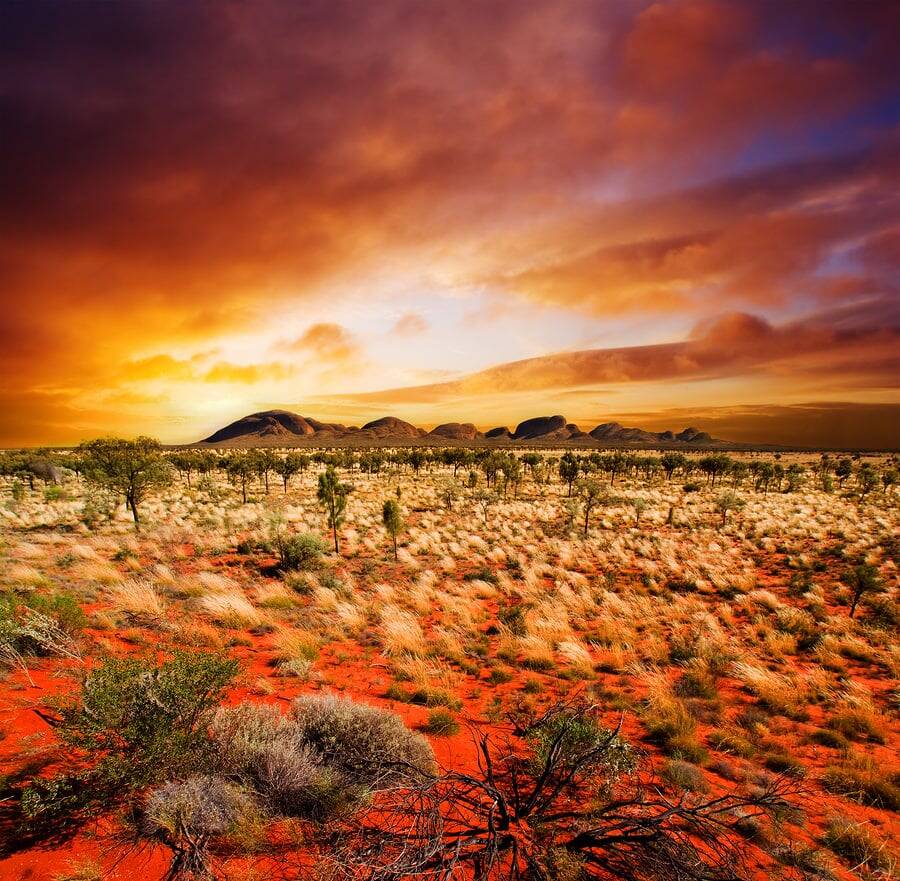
column 645, row 159
column 728, row 345
column 328, row 342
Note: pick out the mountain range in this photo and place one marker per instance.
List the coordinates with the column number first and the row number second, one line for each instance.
column 283, row 428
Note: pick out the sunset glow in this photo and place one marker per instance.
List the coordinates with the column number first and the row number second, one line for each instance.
column 665, row 213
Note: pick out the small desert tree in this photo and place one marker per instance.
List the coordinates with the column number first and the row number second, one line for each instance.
column 867, row 480
column 863, row 578
column 129, row 467
column 568, row 470
column 728, row 501
column 332, row 495
column 591, row 494
column 392, row 520
column 448, row 494
column 240, row 468
column 671, row 462
column 287, row 467
column 843, row 470
column 640, row 504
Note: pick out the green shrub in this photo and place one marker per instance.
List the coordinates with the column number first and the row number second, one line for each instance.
column 136, row 722
column 303, row 551
column 684, row 775
column 827, row 737
column 697, row 683
column 434, row 697
column 730, row 742
column 441, row 723
column 856, row 724
column 38, row 624
column 576, row 736
column 782, row 763
column 63, row 608
column 864, row 784
column 499, row 676
column 857, row 844
column 513, row 618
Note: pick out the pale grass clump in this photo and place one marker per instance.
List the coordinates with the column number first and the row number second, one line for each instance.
column 780, row 692
column 292, row 645
column 764, row 598
column 138, row 597
column 549, row 621
column 231, row 609
column 484, row 590
column 25, row 576
column 447, row 642
column 162, row 574
column 430, row 675
column 275, row 595
column 536, row 651
column 28, row 550
column 459, row 610
column 401, row 633
column 778, row 645
column 324, row 599
column 351, row 617
column 214, row 582
column 407, row 559
column 576, row 655
column 618, row 657
column 198, row 634
column 385, row 593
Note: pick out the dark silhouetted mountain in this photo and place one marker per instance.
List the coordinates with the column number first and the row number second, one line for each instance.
column 456, row 431
column 694, row 436
column 391, row 427
column 283, row 428
column 539, row 426
column 269, row 423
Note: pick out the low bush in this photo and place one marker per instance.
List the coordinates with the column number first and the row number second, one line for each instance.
column 857, row 723
column 697, row 682
column 782, row 763
column 730, row 742
column 185, row 815
column 366, row 744
column 263, row 747
column 859, row 845
column 863, row 783
column 136, row 722
column 303, row 551
column 684, row 775
column 829, row 738
column 500, row 676
column 441, row 723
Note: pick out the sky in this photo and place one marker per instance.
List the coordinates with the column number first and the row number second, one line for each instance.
column 668, row 213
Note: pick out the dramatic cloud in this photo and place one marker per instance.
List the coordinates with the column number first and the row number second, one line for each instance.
column 329, row 342
column 272, row 180
column 728, row 345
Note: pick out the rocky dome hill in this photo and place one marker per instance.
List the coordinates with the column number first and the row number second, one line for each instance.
column 282, row 428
